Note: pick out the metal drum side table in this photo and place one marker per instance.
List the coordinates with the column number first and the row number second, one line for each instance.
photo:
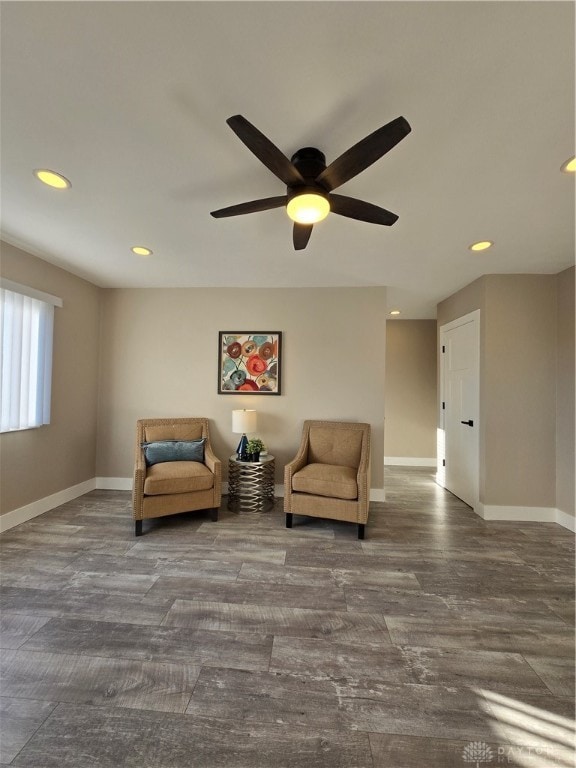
column 251, row 484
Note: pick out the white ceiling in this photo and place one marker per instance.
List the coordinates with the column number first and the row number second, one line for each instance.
column 129, row 101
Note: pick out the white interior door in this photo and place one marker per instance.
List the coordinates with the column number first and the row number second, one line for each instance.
column 460, row 406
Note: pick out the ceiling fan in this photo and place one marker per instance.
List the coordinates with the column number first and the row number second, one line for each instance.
column 310, row 182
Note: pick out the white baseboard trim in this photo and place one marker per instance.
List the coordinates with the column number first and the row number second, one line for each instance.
column 566, row 520
column 29, row 511
column 526, row 514
column 408, row 461
column 523, row 514
column 114, row 483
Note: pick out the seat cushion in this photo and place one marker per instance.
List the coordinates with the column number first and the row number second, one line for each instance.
column 177, row 477
column 327, row 480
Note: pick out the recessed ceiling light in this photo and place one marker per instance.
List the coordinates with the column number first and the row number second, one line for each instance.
column 394, row 312
column 140, row 250
column 481, row 245
column 569, row 166
column 52, row 179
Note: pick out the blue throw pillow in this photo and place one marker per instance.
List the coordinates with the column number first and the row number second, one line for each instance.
column 174, row 450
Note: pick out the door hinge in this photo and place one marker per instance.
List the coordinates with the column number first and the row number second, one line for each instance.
column 443, row 406
column 443, row 462
column 443, row 348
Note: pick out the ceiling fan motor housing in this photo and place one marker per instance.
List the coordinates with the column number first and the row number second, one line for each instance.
column 310, row 162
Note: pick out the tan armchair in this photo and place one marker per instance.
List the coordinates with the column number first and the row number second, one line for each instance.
column 169, row 487
column 330, row 475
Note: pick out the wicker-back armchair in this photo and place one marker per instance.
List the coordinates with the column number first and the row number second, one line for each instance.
column 330, row 475
column 169, row 487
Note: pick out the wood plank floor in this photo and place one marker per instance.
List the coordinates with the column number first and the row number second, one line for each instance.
column 440, row 640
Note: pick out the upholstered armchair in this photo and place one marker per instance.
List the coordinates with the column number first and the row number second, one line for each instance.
column 175, row 469
column 330, row 475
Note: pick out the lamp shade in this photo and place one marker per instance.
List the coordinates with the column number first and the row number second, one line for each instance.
column 243, row 421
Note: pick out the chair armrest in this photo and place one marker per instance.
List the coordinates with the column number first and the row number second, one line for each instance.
column 363, row 480
column 211, row 460
column 215, row 466
column 298, row 462
column 138, row 486
column 140, row 460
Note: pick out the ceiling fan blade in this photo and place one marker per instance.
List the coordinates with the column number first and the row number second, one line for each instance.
column 265, row 151
column 358, row 209
column 253, row 206
column 363, row 154
column 300, row 235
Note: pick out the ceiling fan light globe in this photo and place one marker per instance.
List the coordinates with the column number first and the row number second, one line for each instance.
column 308, row 208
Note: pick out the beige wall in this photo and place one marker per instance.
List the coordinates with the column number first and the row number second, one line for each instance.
column 519, row 385
column 466, row 300
column 39, row 462
column 518, row 380
column 159, row 358
column 411, row 405
column 565, row 394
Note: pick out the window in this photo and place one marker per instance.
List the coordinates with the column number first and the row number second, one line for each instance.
column 26, row 325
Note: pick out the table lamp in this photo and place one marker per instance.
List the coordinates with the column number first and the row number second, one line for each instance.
column 243, row 421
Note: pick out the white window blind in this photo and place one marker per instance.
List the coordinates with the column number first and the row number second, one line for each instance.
column 26, row 329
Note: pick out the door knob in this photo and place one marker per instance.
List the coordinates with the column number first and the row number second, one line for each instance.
column 469, row 422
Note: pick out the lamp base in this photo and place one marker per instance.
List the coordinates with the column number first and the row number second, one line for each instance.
column 241, row 450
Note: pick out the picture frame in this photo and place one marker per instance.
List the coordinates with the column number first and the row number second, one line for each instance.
column 249, row 362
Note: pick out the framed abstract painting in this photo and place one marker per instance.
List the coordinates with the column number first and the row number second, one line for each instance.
column 249, row 362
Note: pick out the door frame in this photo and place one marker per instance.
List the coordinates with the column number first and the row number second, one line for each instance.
column 474, row 317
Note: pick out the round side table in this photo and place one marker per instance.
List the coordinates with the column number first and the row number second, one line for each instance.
column 251, row 484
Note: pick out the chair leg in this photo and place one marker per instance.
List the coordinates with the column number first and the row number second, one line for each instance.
column 138, row 527
column 361, row 527
column 214, row 514
column 288, row 519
